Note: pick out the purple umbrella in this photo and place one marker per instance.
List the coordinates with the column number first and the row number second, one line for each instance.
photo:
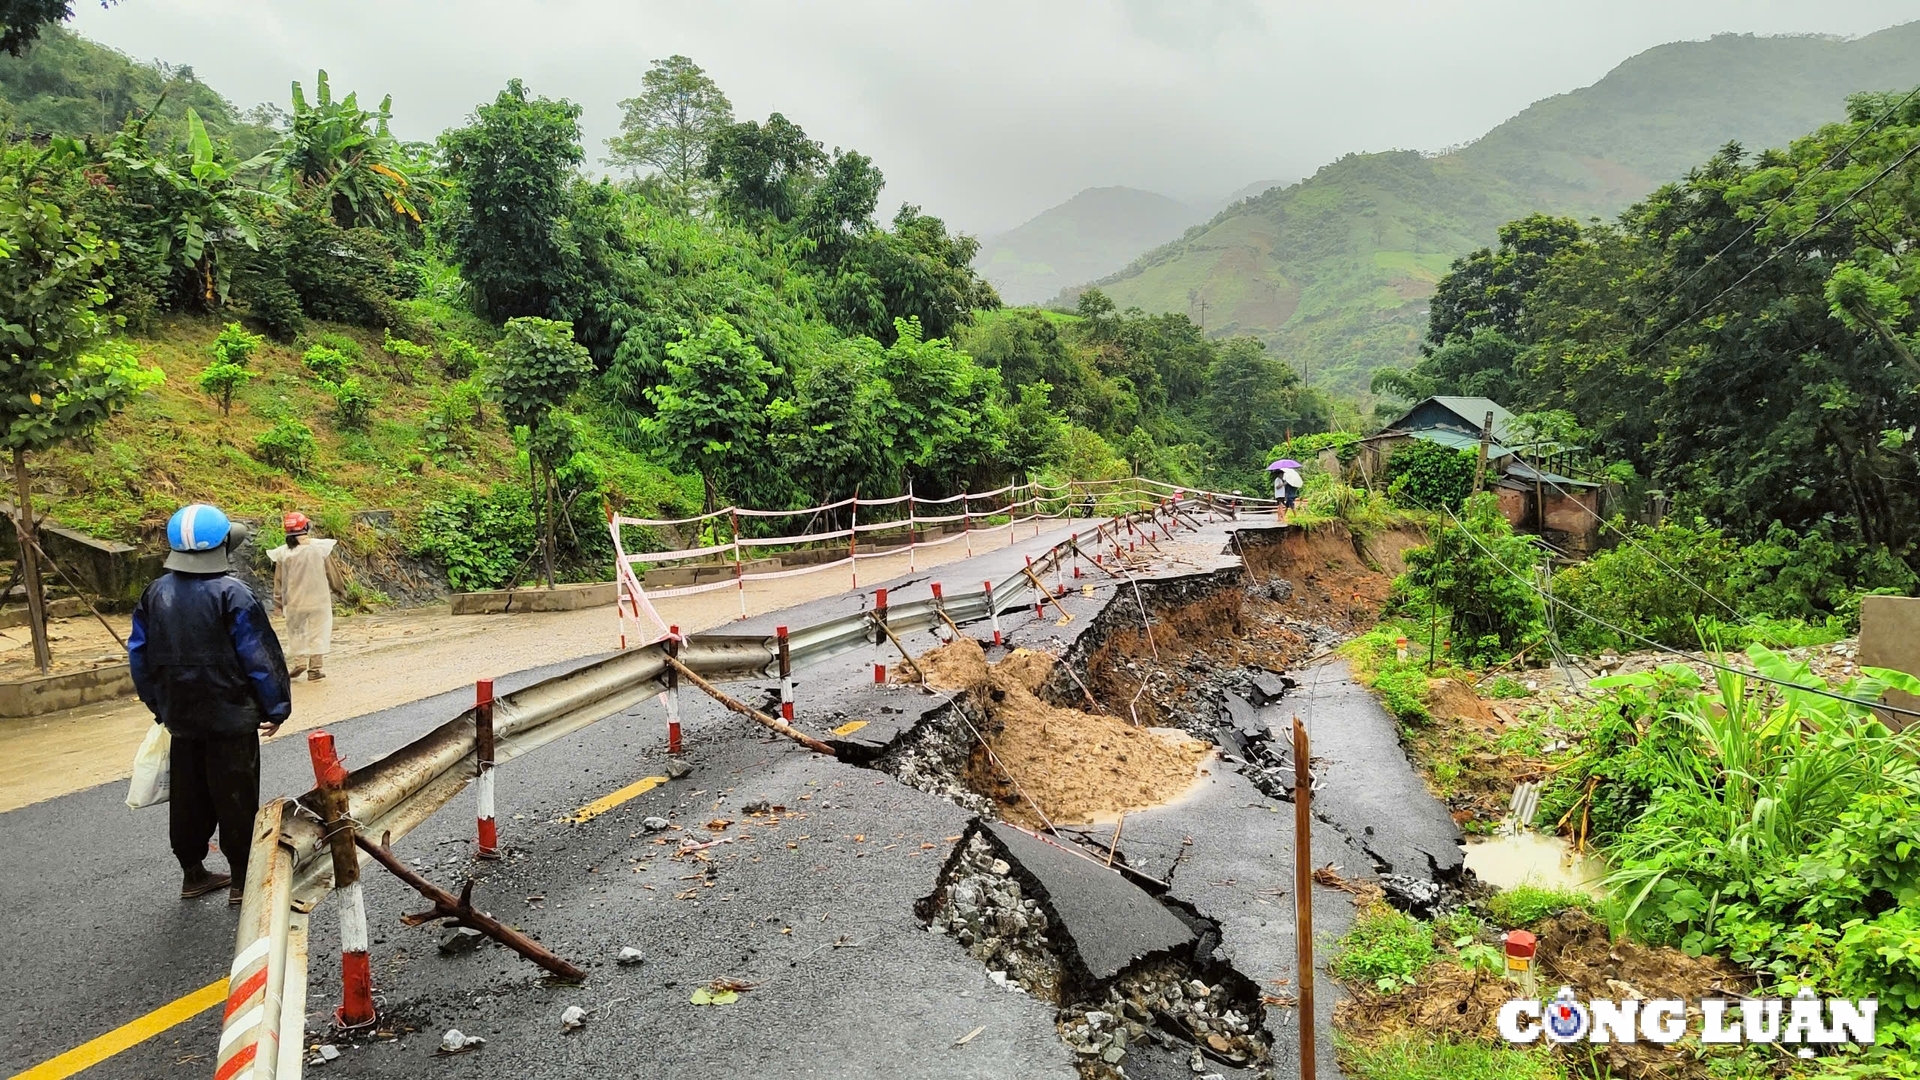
column 1283, row 463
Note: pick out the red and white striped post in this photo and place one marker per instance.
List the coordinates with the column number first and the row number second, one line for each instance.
column 483, row 782
column 909, row 526
column 880, row 616
column 993, row 613
column 356, row 970
column 786, row 675
column 940, row 604
column 673, row 692
column 966, row 521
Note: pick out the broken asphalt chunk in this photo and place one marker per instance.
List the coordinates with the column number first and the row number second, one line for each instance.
column 676, row 769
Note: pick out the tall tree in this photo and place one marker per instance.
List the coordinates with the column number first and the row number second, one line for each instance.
column 710, row 414
column 58, row 379
column 511, row 167
column 666, row 130
column 344, row 161
column 537, row 367
column 22, row 20
column 762, row 172
column 1254, row 400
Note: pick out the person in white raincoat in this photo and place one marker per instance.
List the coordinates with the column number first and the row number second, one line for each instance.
column 304, row 581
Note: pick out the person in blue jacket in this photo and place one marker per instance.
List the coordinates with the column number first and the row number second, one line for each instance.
column 206, row 661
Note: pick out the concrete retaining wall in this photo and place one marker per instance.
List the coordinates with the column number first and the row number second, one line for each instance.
column 50, row 693
column 562, row 598
column 1890, row 638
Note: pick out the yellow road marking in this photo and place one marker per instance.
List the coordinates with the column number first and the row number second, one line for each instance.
column 849, row 727
column 607, row 802
column 88, row 1054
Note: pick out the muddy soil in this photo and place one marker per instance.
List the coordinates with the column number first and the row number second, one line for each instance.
column 1046, row 765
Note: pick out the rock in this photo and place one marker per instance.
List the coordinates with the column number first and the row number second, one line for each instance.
column 1114, row 1054
column 675, row 768
column 630, row 955
column 1197, row 1061
column 328, row 1051
column 460, row 939
column 656, row 824
column 999, row 868
column 453, row 1042
column 758, row 806
column 573, row 1017
column 1219, row 1042
column 1098, row 1020
column 1197, row 988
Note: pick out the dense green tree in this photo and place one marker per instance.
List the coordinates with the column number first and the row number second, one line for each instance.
column 762, row 172
column 825, row 434
column 57, row 381
column 512, row 168
column 1487, row 290
column 942, row 422
column 1255, row 401
column 537, row 367
column 710, row 412
column 21, row 21
column 1036, row 431
column 667, row 129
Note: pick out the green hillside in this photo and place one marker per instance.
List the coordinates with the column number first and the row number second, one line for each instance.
column 1334, row 272
column 1091, row 234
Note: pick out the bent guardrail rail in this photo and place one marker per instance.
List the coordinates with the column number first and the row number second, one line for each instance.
column 289, row 873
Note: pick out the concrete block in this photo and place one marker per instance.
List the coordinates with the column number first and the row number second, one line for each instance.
column 561, row 598
column 1890, row 638
column 51, row 693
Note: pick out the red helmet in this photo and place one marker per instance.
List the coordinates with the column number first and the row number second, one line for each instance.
column 295, row 523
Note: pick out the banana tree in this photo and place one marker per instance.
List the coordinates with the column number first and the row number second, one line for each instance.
column 344, row 159
column 199, row 207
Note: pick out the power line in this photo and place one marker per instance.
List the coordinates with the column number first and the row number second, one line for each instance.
column 1783, row 249
column 1795, row 189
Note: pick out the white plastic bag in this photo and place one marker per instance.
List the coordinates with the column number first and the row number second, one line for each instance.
column 151, row 781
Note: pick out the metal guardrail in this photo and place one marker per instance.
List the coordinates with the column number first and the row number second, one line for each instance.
column 289, row 871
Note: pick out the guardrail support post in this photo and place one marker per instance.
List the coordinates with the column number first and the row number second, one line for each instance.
column 993, row 614
column 880, row 617
column 483, row 753
column 673, row 691
column 786, row 675
column 356, row 969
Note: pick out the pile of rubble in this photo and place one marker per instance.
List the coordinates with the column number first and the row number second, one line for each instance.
column 984, row 910
column 1165, row 1012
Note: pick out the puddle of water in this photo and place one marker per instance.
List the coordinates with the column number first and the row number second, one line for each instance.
column 1532, row 859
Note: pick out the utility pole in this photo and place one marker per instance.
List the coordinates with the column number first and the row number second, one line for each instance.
column 1480, row 470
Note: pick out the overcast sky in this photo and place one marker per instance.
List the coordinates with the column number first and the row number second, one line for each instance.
column 984, row 111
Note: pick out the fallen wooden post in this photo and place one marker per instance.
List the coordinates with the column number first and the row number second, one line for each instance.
column 749, row 711
column 1065, row 615
column 1303, row 891
column 462, row 912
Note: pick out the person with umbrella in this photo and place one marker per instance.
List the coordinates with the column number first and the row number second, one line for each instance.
column 1286, row 485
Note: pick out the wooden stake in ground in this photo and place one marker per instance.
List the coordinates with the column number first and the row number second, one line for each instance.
column 28, row 544
column 1480, row 470
column 1303, row 892
column 749, row 711
column 1065, row 615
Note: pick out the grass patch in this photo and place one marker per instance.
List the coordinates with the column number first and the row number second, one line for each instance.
column 1386, row 949
column 1412, row 1057
column 1524, row 905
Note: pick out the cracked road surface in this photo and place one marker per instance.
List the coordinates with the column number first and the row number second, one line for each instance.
column 812, row 904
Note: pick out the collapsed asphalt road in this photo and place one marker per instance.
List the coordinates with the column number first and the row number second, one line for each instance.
column 805, row 903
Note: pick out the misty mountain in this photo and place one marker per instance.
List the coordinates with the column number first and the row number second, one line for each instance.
column 1092, row 234
column 1334, row 272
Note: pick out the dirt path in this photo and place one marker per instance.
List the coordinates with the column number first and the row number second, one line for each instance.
column 379, row 661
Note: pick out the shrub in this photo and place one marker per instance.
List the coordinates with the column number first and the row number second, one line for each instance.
column 1427, row 474
column 455, row 414
column 1482, row 574
column 235, row 346
column 1403, row 691
column 1525, row 905
column 463, row 358
column 327, row 364
column 344, row 345
column 402, row 349
column 1657, row 585
column 353, row 405
column 1506, row 686
column 479, row 538
column 289, row 446
column 1386, row 949
column 220, row 380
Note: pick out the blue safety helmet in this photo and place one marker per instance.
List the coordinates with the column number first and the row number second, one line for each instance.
column 200, row 536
